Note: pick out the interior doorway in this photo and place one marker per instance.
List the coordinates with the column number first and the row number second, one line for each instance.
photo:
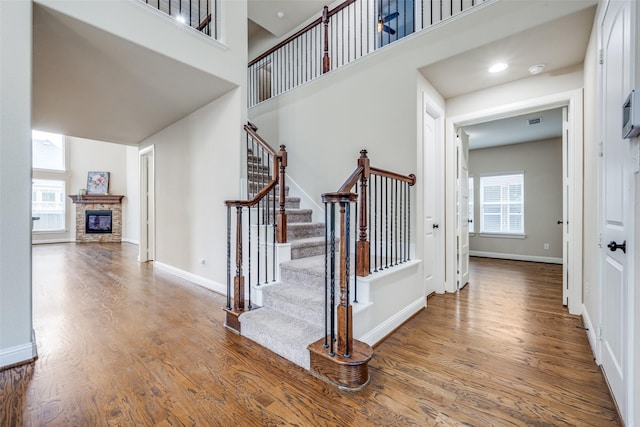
column 147, row 205
column 572, row 256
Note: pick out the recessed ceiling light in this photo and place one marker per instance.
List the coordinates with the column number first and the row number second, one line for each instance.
column 280, row 14
column 536, row 69
column 496, row 68
column 181, row 19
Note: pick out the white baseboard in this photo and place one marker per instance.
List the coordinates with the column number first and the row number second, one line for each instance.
column 20, row 353
column 385, row 328
column 193, row 278
column 44, row 242
column 591, row 333
column 517, row 257
column 133, row 242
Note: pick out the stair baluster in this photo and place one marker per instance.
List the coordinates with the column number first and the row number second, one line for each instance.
column 346, row 365
column 265, row 170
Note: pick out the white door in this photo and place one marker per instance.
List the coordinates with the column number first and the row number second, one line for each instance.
column 147, row 206
column 564, row 222
column 431, row 225
column 618, row 203
column 463, row 208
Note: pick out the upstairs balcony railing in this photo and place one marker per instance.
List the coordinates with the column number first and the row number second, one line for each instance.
column 198, row 14
column 339, row 36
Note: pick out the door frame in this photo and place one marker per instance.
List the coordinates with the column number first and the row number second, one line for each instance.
column 431, row 107
column 147, row 248
column 571, row 99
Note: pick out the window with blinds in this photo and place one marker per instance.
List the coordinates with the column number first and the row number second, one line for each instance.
column 502, row 204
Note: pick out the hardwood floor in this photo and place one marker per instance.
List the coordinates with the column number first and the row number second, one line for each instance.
column 122, row 344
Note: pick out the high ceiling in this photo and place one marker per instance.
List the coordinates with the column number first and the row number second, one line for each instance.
column 558, row 44
column 92, row 84
column 280, row 17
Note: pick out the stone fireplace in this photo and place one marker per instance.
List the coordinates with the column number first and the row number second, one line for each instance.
column 98, row 218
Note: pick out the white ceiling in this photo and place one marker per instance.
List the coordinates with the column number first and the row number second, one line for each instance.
column 559, row 44
column 91, row 84
column 515, row 130
column 265, row 14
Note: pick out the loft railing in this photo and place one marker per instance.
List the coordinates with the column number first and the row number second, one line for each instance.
column 378, row 236
column 339, row 36
column 255, row 225
column 198, row 14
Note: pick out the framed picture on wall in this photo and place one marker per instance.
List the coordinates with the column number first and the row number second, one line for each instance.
column 98, row 183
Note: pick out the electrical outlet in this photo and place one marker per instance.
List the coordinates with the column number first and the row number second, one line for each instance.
column 546, row 246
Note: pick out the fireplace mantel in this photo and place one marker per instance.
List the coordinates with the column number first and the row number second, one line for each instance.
column 97, row 198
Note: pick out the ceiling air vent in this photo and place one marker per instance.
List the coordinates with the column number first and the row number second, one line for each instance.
column 534, row 121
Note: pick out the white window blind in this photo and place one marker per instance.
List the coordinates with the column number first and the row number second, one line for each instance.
column 502, row 204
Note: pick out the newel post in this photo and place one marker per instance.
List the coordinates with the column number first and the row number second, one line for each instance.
column 362, row 246
column 281, row 220
column 326, row 63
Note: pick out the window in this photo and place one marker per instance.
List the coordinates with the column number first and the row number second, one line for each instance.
column 502, row 204
column 48, row 205
column 48, row 188
column 472, row 227
column 48, row 151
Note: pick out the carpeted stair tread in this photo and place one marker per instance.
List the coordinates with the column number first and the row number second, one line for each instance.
column 307, row 247
column 296, row 300
column 307, row 271
column 297, row 231
column 280, row 333
column 292, row 203
column 298, row 216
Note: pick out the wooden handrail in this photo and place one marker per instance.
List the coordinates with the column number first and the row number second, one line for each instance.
column 300, row 32
column 410, row 179
column 204, row 23
column 398, row 199
column 278, row 166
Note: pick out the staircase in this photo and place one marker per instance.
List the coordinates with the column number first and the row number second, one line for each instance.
column 292, row 314
column 285, row 307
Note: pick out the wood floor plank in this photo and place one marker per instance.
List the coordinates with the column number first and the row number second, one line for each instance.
column 122, row 344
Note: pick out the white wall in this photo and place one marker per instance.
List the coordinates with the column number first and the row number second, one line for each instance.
column 90, row 155
column 197, row 168
column 131, row 204
column 636, row 326
column 16, row 342
column 140, row 24
column 541, row 162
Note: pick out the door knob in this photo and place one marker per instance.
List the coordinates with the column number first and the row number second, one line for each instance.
column 469, row 220
column 613, row 246
column 436, row 226
column 560, row 221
